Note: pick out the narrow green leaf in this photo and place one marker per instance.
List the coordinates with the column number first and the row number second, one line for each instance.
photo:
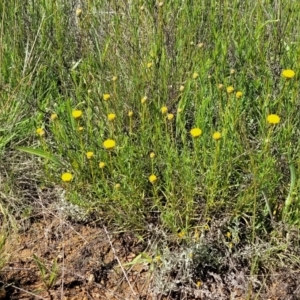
column 41, row 153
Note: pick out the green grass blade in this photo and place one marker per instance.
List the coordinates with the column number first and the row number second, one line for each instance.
column 40, row 153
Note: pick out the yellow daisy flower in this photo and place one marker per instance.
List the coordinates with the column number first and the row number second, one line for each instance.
column 239, row 94
column 170, row 117
column 164, row 110
column 102, row 164
column 77, row 114
column 89, row 154
column 230, row 89
column 217, row 135
column 53, row 117
column 109, row 144
column 144, row 99
column 111, row 117
column 152, row 178
column 273, row 119
column 288, row 74
column 66, row 177
column 106, row 97
column 40, row 132
column 195, row 132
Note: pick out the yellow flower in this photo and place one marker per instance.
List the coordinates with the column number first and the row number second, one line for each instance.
column 89, row 154
column 217, row 135
column 109, row 144
column 77, row 114
column 288, row 74
column 220, row 86
column 230, row 89
column 273, row 119
column 181, row 234
column 181, row 88
column 53, row 117
column 130, row 113
column 78, row 12
column 200, row 45
column 111, row 117
column 232, row 71
column 152, row 178
column 170, row 117
column 239, row 94
column 106, row 97
column 114, row 78
column 66, row 177
column 164, row 110
column 152, row 155
column 40, row 132
column 102, row 164
column 80, row 128
column 228, row 234
column 195, row 132
column 149, row 65
column 199, row 283
column 144, row 99
column 195, row 75
column 117, row 185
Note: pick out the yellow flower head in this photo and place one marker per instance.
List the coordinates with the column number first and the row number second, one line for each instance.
column 109, row 144
column 66, row 177
column 181, row 88
column 232, row 71
column 152, row 178
column 288, row 74
column 220, row 86
column 89, row 154
column 239, row 94
column 102, row 164
column 230, row 89
column 77, row 114
column 195, row 75
column 114, row 78
column 78, row 12
column 130, row 113
column 181, row 234
column 164, row 110
column 149, row 65
column 117, row 185
column 40, row 132
column 53, row 117
column 111, row 117
column 217, row 135
column 170, row 117
column 273, row 119
column 80, row 128
column 144, row 99
column 195, row 132
column 106, row 97
column 152, row 155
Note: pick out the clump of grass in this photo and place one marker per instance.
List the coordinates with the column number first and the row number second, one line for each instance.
column 150, row 99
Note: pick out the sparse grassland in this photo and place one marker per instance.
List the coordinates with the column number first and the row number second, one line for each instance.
column 174, row 114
